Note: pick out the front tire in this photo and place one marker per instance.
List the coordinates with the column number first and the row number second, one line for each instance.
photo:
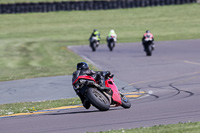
column 125, row 102
column 98, row 99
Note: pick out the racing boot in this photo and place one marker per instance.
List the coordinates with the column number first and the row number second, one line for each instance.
column 86, row 104
column 84, row 101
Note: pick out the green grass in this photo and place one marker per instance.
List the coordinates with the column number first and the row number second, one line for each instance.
column 190, row 127
column 34, row 44
column 26, row 107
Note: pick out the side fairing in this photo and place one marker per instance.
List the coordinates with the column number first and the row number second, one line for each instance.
column 116, row 95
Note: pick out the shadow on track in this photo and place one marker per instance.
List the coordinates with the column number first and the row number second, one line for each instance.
column 80, row 112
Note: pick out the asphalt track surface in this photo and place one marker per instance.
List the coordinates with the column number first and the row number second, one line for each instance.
column 171, row 77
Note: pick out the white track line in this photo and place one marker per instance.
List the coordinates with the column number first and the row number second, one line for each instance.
column 190, row 62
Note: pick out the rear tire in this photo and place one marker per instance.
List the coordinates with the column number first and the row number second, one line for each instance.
column 93, row 46
column 98, row 99
column 149, row 54
column 148, row 50
column 111, row 45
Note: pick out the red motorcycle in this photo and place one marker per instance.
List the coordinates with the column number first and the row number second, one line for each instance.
column 100, row 98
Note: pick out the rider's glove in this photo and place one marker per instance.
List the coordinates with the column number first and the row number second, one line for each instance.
column 109, row 74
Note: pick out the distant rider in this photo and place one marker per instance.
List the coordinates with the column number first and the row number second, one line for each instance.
column 148, row 37
column 96, row 34
column 99, row 76
column 111, row 35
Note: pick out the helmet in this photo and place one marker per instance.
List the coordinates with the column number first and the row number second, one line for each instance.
column 95, row 30
column 147, row 31
column 112, row 31
column 82, row 66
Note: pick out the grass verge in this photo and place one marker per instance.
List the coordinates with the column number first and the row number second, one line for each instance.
column 190, row 127
column 26, row 107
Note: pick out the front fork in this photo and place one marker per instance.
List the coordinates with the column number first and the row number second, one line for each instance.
column 123, row 97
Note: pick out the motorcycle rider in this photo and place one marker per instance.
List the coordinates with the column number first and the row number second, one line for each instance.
column 113, row 35
column 146, row 36
column 96, row 34
column 99, row 76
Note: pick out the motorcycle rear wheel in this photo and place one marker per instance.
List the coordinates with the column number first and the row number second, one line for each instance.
column 98, row 99
column 93, row 46
column 148, row 50
column 111, row 45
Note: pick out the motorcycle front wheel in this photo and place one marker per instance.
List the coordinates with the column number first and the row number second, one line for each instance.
column 98, row 99
column 125, row 102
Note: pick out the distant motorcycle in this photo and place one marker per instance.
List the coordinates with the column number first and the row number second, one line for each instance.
column 111, row 42
column 98, row 97
column 148, row 46
column 94, row 43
